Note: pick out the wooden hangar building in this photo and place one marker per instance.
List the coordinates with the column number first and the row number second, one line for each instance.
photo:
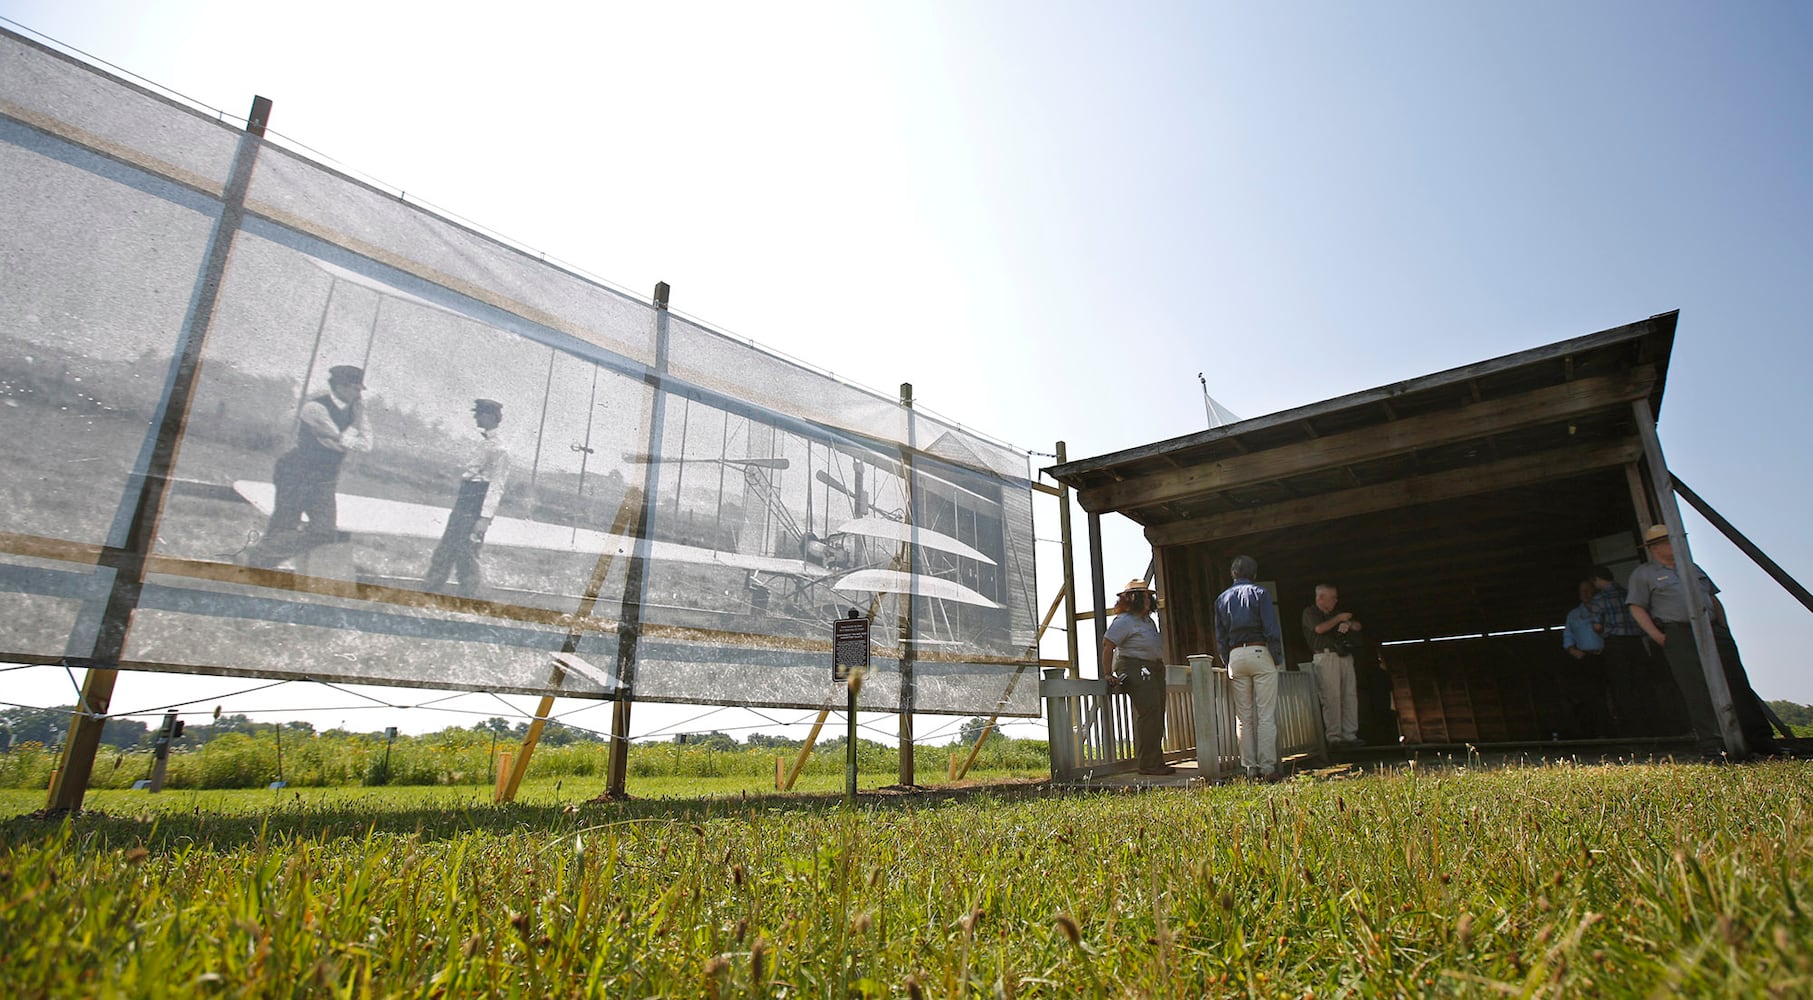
column 1456, row 513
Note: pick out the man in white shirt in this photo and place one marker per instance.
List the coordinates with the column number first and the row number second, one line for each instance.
column 481, row 487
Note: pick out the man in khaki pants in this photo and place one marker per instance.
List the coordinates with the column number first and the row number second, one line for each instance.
column 1252, row 645
column 1327, row 630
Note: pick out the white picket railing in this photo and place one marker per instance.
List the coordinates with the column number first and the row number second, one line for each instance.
column 1091, row 728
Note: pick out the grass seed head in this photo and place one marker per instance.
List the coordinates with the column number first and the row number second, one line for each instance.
column 714, row 975
column 1068, row 928
column 758, row 959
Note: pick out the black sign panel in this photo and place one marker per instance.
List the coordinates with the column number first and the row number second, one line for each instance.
column 849, row 646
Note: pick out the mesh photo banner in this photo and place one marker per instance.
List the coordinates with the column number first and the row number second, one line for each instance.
column 262, row 419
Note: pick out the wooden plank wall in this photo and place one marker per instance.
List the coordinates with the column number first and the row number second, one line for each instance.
column 1188, row 588
column 1503, row 689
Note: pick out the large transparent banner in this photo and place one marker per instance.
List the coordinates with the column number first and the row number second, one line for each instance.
column 261, row 419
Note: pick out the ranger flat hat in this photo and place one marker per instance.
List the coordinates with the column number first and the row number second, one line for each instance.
column 1137, row 587
column 487, row 405
column 1656, row 533
column 347, row 374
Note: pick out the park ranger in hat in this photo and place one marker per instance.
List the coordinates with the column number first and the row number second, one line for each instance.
column 481, row 487
column 1659, row 604
column 1133, row 656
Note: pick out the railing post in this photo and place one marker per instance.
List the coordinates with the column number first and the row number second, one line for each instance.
column 1060, row 729
column 1208, row 715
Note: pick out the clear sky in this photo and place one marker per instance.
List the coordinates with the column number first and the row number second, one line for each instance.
column 1050, row 216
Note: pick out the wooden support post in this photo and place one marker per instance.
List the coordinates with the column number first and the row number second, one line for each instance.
column 69, row 781
column 617, row 764
column 1069, row 549
column 1698, row 613
column 505, row 763
column 529, row 742
column 635, row 579
column 1060, row 725
column 780, row 772
column 907, row 604
column 1099, row 588
column 147, row 504
column 1639, row 497
column 981, row 738
column 805, row 751
column 1207, row 711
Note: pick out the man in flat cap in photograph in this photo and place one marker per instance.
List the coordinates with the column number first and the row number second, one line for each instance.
column 329, row 427
column 481, row 487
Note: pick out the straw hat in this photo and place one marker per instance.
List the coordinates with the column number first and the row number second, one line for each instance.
column 1136, row 587
column 1656, row 533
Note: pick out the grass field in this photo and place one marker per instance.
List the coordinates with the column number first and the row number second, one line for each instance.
column 1638, row 880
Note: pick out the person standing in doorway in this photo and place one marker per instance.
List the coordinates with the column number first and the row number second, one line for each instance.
column 481, row 488
column 330, row 427
column 1658, row 602
column 1584, row 687
column 1328, row 633
column 1133, row 655
column 1639, row 690
column 1251, row 644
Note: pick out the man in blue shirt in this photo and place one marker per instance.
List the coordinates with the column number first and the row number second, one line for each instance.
column 1644, row 700
column 1579, row 637
column 1251, row 645
column 1586, row 685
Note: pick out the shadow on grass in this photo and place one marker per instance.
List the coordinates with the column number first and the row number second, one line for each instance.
column 323, row 821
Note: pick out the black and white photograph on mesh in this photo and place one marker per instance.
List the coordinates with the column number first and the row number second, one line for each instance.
column 379, row 447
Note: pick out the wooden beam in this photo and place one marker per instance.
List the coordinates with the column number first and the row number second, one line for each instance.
column 1639, row 497
column 1744, row 544
column 1661, row 325
column 1542, row 406
column 1470, row 481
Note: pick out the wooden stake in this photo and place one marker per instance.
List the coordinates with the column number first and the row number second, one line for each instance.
column 799, row 764
column 505, row 759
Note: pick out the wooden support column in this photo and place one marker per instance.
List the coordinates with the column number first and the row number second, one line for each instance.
column 1161, row 610
column 1098, row 586
column 1639, row 497
column 907, row 649
column 147, row 504
column 1069, row 549
column 1699, row 614
column 635, row 584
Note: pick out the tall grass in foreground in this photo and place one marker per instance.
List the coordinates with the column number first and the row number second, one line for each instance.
column 1564, row 880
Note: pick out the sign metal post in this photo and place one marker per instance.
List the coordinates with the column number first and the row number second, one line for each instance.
column 849, row 661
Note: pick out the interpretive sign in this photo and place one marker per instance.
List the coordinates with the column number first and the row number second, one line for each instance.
column 849, row 645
